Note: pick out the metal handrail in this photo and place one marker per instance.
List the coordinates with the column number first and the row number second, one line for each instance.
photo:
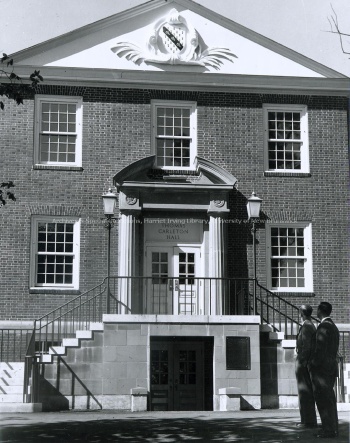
column 224, row 296
column 60, row 323
column 279, row 313
column 13, row 344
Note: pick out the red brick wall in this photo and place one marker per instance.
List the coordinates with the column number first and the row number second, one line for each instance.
column 116, row 132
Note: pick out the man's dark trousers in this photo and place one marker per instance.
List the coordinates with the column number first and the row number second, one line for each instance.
column 305, row 344
column 306, row 396
column 323, row 371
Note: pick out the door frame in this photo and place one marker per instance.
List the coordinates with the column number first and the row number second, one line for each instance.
column 172, row 390
column 199, row 269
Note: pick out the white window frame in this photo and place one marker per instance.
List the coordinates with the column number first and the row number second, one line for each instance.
column 308, row 268
column 78, row 101
column 34, row 251
column 192, row 106
column 304, row 136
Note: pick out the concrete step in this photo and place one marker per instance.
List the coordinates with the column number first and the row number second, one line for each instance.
column 11, row 366
column 96, row 326
column 72, row 342
column 9, row 390
column 11, row 398
column 11, row 370
column 9, row 381
column 57, row 350
column 87, row 335
column 45, row 358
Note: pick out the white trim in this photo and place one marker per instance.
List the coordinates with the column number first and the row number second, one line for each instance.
column 34, row 245
column 78, row 101
column 304, row 147
column 189, row 81
column 192, row 106
column 308, row 269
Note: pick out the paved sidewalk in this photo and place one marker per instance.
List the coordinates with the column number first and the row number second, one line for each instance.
column 270, row 426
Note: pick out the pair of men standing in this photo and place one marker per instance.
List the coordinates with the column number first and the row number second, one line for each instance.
column 316, row 370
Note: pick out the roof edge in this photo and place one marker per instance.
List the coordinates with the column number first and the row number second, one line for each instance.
column 195, row 7
column 114, row 78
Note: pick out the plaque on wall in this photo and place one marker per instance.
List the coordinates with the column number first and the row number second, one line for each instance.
column 238, row 353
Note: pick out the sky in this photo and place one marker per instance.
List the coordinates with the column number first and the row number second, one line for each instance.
column 301, row 25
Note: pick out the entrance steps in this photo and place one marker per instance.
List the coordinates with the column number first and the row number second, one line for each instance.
column 12, row 373
column 11, row 389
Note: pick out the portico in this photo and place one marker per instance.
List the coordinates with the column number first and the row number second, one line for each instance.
column 172, row 236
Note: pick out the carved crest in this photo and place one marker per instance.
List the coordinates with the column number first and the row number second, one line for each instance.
column 174, row 41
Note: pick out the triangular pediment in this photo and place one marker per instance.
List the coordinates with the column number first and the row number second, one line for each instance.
column 173, row 36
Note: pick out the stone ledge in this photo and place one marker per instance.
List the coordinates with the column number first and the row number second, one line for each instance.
column 230, row 391
column 182, row 319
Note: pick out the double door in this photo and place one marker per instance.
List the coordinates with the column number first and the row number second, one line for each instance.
column 173, row 286
column 177, row 376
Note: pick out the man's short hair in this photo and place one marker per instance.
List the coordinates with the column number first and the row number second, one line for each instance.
column 325, row 307
column 306, row 310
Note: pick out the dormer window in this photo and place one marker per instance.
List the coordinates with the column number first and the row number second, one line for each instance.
column 174, row 134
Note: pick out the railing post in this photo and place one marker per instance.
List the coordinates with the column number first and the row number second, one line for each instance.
column 254, row 263
column 109, row 227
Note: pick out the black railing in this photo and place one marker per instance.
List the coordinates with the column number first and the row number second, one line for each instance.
column 279, row 313
column 14, row 344
column 161, row 296
column 180, row 295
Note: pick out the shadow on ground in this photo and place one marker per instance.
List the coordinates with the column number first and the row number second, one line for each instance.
column 131, row 429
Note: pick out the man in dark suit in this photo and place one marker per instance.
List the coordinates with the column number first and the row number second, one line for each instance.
column 323, row 370
column 304, row 347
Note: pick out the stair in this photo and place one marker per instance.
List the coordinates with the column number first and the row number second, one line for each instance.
column 12, row 374
column 11, row 389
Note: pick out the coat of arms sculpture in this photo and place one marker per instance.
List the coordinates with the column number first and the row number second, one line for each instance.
column 174, row 41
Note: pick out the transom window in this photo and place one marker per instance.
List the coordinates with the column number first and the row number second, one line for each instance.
column 58, row 130
column 290, row 258
column 174, row 134
column 55, row 253
column 286, row 138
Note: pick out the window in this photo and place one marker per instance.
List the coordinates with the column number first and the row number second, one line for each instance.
column 174, row 134
column 58, row 130
column 55, row 252
column 290, row 258
column 286, row 138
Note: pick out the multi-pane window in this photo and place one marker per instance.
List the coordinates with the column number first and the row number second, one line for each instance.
column 290, row 258
column 58, row 131
column 286, row 138
column 55, row 253
column 174, row 134
column 186, row 268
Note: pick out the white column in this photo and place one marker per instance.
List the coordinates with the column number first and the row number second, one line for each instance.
column 216, row 261
column 126, row 264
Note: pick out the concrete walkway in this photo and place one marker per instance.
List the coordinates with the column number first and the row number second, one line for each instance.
column 270, row 426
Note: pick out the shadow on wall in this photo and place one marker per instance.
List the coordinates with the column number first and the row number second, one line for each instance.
column 67, row 381
column 240, row 237
column 268, row 370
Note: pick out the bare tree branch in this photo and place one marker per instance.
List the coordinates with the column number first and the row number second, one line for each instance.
column 334, row 24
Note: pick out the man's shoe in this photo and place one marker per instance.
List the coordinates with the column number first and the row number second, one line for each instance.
column 306, row 425
column 327, row 435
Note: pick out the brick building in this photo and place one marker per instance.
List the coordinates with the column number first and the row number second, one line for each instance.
column 182, row 114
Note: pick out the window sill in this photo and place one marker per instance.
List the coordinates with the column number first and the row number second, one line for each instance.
column 293, row 293
column 58, row 167
column 63, row 291
column 286, row 174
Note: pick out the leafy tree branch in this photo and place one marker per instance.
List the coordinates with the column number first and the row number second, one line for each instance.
column 5, row 193
column 13, row 87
